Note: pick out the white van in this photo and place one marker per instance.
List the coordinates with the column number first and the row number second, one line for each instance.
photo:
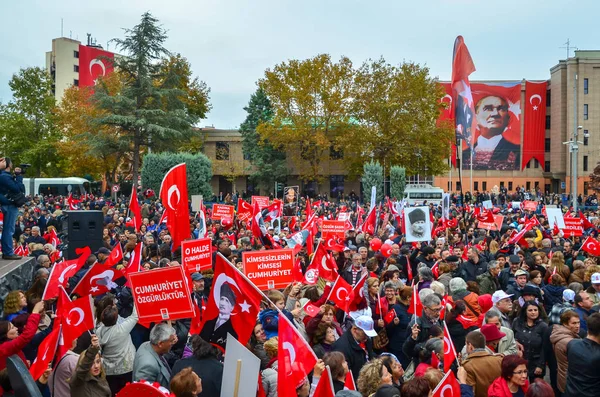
column 418, row 194
column 56, row 186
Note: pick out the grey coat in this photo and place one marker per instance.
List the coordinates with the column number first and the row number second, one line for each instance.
column 148, row 366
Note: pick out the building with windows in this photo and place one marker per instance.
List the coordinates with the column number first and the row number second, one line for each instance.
column 63, row 65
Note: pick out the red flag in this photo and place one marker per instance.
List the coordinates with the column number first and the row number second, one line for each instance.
column 311, row 309
column 247, row 299
column 358, row 292
column 244, row 209
column 297, row 275
column 135, row 260
column 390, row 316
column 73, row 204
column 462, row 67
column 292, row 224
column 341, row 294
column 591, row 246
column 174, row 196
column 555, row 229
column 448, row 386
column 258, row 225
column 54, row 240
column 534, row 123
column 359, row 216
column 416, row 307
column 93, row 63
column 370, row 222
column 19, row 250
column 134, row 208
column 435, row 361
column 334, row 243
column 196, row 323
column 485, row 216
column 586, row 223
column 324, row 262
column 163, row 217
column 517, row 237
column 62, row 271
column 296, row 358
column 449, row 350
column 274, row 211
column 77, row 317
column 97, row 281
column 349, row 382
column 325, row 385
column 116, row 256
column 46, row 352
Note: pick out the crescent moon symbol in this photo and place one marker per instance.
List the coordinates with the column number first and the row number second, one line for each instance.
column 61, row 278
column 535, row 96
column 105, row 274
column 444, row 389
column 45, row 352
column 98, row 62
column 337, row 294
column 116, row 255
column 324, row 263
column 290, row 348
column 79, row 311
column 173, row 189
column 446, row 345
column 447, row 96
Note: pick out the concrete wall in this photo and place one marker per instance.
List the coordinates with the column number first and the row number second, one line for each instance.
column 16, row 278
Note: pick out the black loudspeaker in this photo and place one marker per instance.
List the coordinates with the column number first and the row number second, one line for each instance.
column 82, row 229
column 20, row 378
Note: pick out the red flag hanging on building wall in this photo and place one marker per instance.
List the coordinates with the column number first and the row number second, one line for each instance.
column 464, row 110
column 447, row 115
column 93, row 63
column 174, row 196
column 535, row 123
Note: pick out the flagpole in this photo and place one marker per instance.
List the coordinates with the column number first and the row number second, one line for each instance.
column 472, row 148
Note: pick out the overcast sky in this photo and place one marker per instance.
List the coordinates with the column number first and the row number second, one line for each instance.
column 230, row 43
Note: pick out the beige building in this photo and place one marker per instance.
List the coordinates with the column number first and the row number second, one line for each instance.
column 63, row 65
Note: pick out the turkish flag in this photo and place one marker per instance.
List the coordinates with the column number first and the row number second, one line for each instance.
column 349, row 381
column 73, row 204
column 334, row 243
column 134, row 208
column 174, row 196
column 93, row 63
column 244, row 210
column 485, row 216
column 535, row 123
column 97, row 281
column 586, row 223
column 341, row 294
column 449, row 350
column 163, row 218
column 555, row 229
column 63, row 271
column 323, row 261
column 448, row 386
column 517, row 237
column 46, row 353
column 451, row 223
column 464, row 108
column 325, row 385
column 273, row 211
column 292, row 223
column 135, row 259
column 591, row 246
column 358, row 292
column 247, row 299
column 258, row 224
column 76, row 317
column 390, row 316
column 370, row 222
column 116, row 256
column 54, row 240
column 447, row 115
column 296, row 358
column 311, row 309
column 416, row 307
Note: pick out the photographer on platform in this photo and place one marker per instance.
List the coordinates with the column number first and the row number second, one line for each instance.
column 11, row 188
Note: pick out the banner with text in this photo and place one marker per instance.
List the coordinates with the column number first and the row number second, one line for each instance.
column 333, row 228
column 263, row 201
column 497, row 225
column 196, row 255
column 161, row 294
column 573, row 227
column 269, row 269
column 222, row 211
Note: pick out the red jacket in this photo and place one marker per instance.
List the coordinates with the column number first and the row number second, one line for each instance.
column 499, row 388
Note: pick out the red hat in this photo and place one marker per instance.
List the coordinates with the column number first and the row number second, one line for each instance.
column 491, row 332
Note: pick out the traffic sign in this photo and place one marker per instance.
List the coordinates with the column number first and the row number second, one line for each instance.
column 116, row 188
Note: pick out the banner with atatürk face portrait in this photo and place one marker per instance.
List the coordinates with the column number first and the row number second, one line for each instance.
column 418, row 225
column 497, row 126
column 290, row 201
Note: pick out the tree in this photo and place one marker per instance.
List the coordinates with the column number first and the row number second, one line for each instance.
column 311, row 102
column 372, row 176
column 152, row 110
column 397, row 182
column 27, row 123
column 397, row 109
column 268, row 164
column 199, row 171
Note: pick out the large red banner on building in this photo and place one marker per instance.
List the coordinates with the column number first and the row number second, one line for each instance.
column 535, row 123
column 93, row 63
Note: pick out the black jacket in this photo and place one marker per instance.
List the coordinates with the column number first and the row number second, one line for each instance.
column 397, row 333
column 470, row 270
column 356, row 357
column 583, row 379
column 532, row 339
column 210, row 370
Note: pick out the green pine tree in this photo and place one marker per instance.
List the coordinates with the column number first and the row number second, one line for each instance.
column 372, row 176
column 397, row 182
column 269, row 165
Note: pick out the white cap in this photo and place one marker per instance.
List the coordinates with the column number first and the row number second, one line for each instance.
column 366, row 324
column 499, row 295
column 596, row 278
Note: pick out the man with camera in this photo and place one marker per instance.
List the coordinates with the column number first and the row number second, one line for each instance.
column 11, row 189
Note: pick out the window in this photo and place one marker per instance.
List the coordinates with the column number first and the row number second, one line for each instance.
column 476, row 186
column 536, row 164
column 546, row 166
column 501, row 183
column 547, row 122
column 547, row 188
column 457, row 164
column 585, row 163
column 484, row 186
column 336, row 185
column 76, row 68
column 529, row 164
column 536, row 185
column 75, row 54
column 586, row 186
column 458, row 186
column 510, row 186
column 449, row 186
column 585, row 86
column 585, row 137
column 528, row 186
column 547, row 143
column 76, row 83
column 548, row 97
column 335, row 154
column 585, row 111
column 222, row 152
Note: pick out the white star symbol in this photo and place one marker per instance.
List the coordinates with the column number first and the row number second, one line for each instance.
column 94, row 289
column 515, row 108
column 245, row 306
column 535, row 108
column 466, row 93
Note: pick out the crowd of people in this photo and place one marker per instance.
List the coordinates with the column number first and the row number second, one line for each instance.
column 522, row 317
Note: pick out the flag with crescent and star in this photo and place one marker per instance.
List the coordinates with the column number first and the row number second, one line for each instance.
column 46, row 352
column 63, row 271
column 324, row 262
column 134, row 209
column 115, row 257
column 534, row 125
column 246, row 299
column 591, row 246
column 174, row 196
column 93, row 63
column 464, row 108
column 97, row 281
column 341, row 294
column 448, row 386
column 76, row 317
column 296, row 358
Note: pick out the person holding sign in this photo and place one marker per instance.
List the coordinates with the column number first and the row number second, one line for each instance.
column 216, row 330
